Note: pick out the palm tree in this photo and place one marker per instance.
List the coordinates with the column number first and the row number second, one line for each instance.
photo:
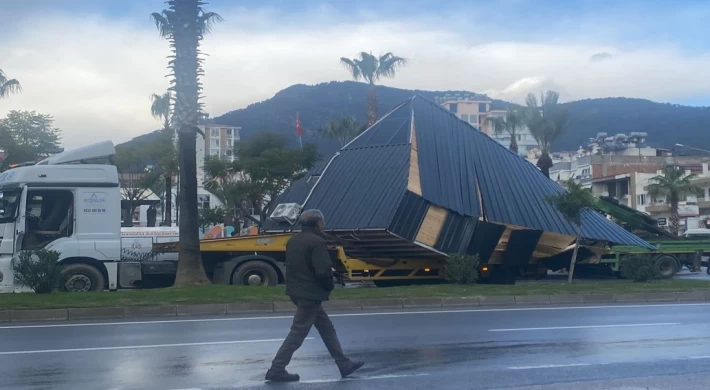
column 512, row 123
column 184, row 25
column 369, row 68
column 161, row 109
column 343, row 130
column 672, row 186
column 8, row 86
column 547, row 122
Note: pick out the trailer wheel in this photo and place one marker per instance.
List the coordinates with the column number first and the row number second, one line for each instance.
column 81, row 278
column 255, row 273
column 666, row 266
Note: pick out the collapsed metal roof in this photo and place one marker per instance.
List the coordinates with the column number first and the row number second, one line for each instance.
column 420, row 153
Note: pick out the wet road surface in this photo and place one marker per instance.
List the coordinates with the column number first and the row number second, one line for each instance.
column 589, row 347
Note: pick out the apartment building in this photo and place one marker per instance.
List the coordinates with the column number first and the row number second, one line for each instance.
column 476, row 110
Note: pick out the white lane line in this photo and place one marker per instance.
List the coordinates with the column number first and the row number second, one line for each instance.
column 603, row 363
column 372, row 314
column 584, row 327
column 551, row 366
column 693, row 358
column 144, row 346
column 362, row 378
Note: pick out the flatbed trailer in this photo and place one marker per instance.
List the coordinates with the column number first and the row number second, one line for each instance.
column 672, row 252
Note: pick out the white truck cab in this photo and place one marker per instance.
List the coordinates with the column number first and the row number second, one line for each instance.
column 70, row 203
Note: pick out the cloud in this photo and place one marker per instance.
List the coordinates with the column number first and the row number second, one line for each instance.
column 95, row 75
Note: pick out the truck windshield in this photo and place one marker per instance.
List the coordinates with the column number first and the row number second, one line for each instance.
column 9, row 201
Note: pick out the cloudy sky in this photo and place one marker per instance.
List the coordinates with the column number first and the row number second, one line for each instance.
column 93, row 64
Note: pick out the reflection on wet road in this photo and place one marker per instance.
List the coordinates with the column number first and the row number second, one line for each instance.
column 614, row 347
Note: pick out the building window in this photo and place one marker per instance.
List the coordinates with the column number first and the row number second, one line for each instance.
column 454, row 107
column 520, row 138
column 464, row 117
column 482, row 107
column 641, row 199
column 214, row 142
column 229, row 133
column 203, row 201
column 682, row 197
column 214, row 133
column 473, row 119
column 214, row 152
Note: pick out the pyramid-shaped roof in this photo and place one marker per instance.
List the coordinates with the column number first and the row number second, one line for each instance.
column 419, row 154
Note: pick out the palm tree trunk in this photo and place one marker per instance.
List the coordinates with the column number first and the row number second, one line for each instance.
column 185, row 67
column 371, row 105
column 545, row 163
column 168, row 221
column 513, row 144
column 675, row 219
column 574, row 256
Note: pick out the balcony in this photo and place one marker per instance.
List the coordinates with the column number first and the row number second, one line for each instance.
column 658, row 208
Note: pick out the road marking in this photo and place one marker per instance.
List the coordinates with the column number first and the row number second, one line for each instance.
column 693, row 358
column 583, row 327
column 370, row 314
column 551, row 366
column 603, row 363
column 144, row 346
column 362, row 378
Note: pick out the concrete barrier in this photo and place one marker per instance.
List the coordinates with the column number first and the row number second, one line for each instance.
column 38, row 315
column 95, row 312
column 346, row 304
column 497, row 300
column 422, row 302
column 566, row 299
column 462, row 301
column 250, row 307
column 209, row 309
column 532, row 299
column 382, row 303
column 151, row 311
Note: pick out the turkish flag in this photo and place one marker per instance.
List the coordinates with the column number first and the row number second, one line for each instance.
column 299, row 129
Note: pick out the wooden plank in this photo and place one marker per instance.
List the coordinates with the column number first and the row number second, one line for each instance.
column 431, row 227
column 414, row 183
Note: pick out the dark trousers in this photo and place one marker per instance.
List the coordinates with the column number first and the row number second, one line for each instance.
column 308, row 313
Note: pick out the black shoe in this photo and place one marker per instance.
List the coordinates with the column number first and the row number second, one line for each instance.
column 281, row 376
column 350, row 367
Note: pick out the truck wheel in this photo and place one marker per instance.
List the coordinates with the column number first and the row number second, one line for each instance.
column 255, row 273
column 81, row 278
column 666, row 266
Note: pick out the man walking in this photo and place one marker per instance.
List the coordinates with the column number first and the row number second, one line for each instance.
column 309, row 281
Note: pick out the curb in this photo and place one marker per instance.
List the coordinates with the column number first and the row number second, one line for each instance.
column 220, row 309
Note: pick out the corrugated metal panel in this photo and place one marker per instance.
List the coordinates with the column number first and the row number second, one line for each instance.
column 393, row 129
column 409, row 216
column 456, row 233
column 455, row 159
column 446, row 170
column 362, row 188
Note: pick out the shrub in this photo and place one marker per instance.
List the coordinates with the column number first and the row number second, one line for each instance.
column 637, row 268
column 461, row 269
column 38, row 270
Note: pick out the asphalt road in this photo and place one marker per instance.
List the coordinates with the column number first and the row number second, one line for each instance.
column 601, row 347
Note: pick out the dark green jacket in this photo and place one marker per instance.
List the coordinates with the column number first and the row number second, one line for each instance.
column 308, row 267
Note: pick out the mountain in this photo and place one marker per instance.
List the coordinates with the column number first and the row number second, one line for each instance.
column 666, row 124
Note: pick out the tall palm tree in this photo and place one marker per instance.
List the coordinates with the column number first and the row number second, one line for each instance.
column 342, row 130
column 511, row 123
column 369, row 68
column 161, row 109
column 547, row 122
column 672, row 186
column 8, row 86
column 184, row 25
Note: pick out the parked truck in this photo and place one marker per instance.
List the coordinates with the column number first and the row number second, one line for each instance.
column 672, row 252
